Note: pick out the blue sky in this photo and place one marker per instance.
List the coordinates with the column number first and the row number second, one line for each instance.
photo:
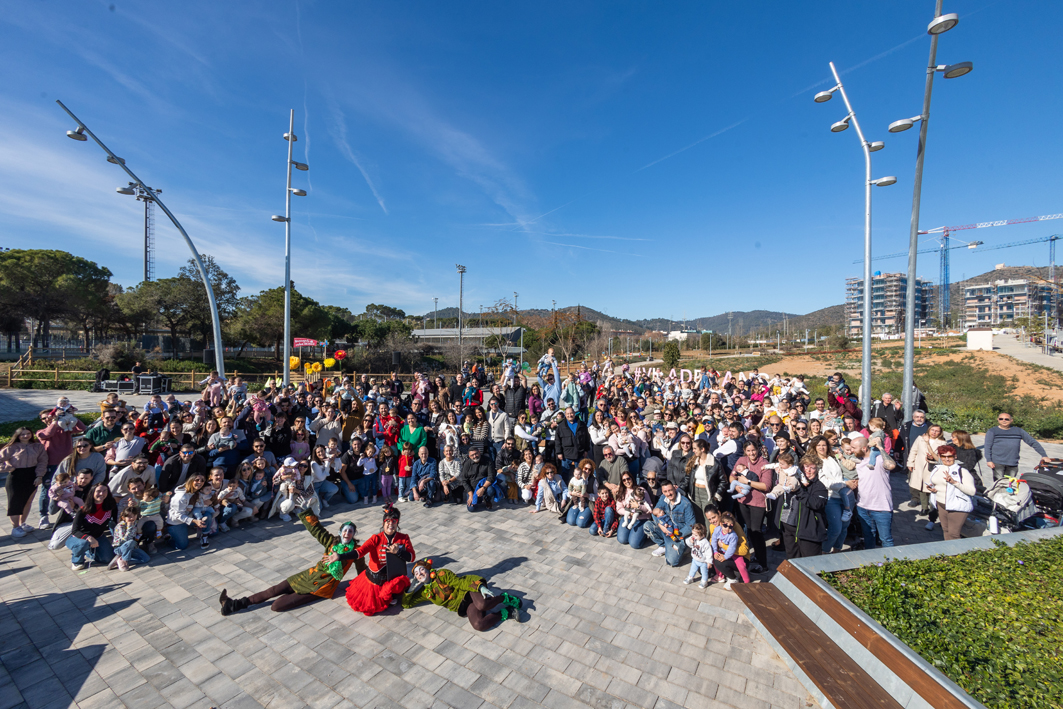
column 646, row 159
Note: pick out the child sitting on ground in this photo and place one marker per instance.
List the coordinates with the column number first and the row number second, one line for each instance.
column 150, row 504
column 741, row 558
column 125, row 538
column 62, row 493
column 700, row 555
column 232, row 504
column 737, row 489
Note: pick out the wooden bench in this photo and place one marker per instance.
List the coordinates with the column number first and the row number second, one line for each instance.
column 841, row 680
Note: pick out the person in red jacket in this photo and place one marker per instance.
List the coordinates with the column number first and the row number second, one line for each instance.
column 377, row 587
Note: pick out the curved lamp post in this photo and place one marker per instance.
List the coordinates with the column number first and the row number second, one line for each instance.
column 823, row 97
column 290, row 137
column 940, row 24
column 79, row 134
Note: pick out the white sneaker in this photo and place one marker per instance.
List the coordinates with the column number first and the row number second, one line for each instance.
column 688, row 580
column 223, row 527
column 703, row 584
column 930, row 526
column 27, row 528
column 286, row 518
column 18, row 533
column 727, row 586
column 77, row 567
column 403, row 499
column 659, row 551
column 45, row 523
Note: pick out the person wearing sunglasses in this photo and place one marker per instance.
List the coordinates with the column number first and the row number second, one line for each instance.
column 1002, row 445
column 952, row 485
column 84, row 456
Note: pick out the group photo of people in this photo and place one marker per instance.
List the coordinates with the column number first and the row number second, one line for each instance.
column 710, row 471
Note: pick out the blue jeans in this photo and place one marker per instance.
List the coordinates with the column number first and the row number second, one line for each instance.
column 405, row 485
column 634, row 536
column 79, row 548
column 696, row 566
column 132, row 553
column 672, row 555
column 607, row 522
column 500, row 488
column 478, row 495
column 368, row 485
column 579, row 519
column 430, row 491
column 835, row 528
column 227, row 513
column 327, row 489
column 45, row 484
column 178, row 535
column 871, row 522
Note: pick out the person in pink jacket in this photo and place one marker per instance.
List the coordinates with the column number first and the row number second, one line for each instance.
column 58, row 444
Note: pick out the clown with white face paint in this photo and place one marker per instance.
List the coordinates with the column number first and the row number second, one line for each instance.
column 461, row 594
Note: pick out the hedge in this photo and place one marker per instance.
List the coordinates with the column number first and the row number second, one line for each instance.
column 990, row 619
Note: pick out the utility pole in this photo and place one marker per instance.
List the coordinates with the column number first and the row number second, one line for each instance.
column 461, row 307
column 436, row 311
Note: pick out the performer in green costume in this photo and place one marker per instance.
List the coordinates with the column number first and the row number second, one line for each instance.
column 461, row 594
column 319, row 581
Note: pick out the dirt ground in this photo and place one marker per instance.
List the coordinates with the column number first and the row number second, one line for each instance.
column 1032, row 380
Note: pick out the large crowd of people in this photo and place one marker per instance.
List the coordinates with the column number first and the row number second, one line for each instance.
column 709, row 470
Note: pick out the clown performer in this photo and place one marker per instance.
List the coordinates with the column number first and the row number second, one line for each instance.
column 312, row 584
column 461, row 594
column 376, row 588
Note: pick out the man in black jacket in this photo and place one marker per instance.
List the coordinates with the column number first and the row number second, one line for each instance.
column 573, row 442
column 516, row 398
column 178, row 468
column 477, row 476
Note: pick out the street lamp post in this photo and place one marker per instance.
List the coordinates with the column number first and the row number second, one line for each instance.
column 290, row 137
column 940, row 24
column 515, row 296
column 79, row 134
column 435, row 311
column 821, row 97
column 461, row 307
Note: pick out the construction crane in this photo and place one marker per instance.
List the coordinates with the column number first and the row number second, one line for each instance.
column 945, row 248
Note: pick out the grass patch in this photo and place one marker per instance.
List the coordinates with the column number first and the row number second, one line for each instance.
column 6, row 429
column 991, row 619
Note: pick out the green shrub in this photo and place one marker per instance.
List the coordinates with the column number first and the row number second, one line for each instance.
column 990, row 619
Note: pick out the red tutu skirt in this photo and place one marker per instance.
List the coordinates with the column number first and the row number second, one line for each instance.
column 366, row 597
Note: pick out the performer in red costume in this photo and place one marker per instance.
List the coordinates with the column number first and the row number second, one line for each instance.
column 374, row 589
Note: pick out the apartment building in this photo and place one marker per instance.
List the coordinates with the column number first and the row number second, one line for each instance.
column 990, row 304
column 888, row 299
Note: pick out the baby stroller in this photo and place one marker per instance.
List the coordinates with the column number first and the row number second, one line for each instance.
column 1012, row 504
column 1047, row 492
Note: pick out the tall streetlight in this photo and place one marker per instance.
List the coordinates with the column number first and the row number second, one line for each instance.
column 515, row 296
column 435, row 311
column 822, row 97
column 939, row 25
column 461, row 307
column 79, row 134
column 290, row 138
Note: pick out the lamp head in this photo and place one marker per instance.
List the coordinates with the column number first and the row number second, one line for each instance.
column 958, row 69
column 903, row 124
column 823, row 96
column 298, row 192
column 876, row 146
column 125, row 190
column 884, row 181
column 115, row 161
column 279, row 218
column 77, row 134
column 943, row 23
column 291, row 136
column 300, row 166
column 840, row 125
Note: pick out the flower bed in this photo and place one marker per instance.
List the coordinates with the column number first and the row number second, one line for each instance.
column 991, row 620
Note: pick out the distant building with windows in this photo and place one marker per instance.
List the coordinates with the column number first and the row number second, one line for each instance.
column 888, row 298
column 991, row 304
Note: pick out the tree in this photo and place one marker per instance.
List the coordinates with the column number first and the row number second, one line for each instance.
column 226, row 295
column 342, row 322
column 712, row 340
column 670, row 354
column 173, row 301
column 47, row 284
column 383, row 312
column 260, row 319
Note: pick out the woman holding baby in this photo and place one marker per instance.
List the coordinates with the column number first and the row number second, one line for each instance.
column 751, row 469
